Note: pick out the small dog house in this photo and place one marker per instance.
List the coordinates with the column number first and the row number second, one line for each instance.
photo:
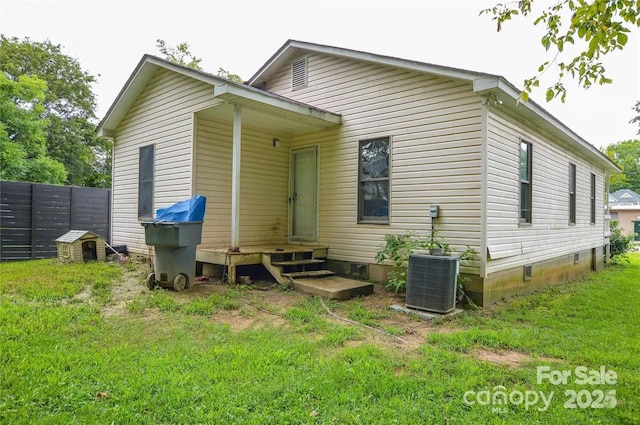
column 79, row 246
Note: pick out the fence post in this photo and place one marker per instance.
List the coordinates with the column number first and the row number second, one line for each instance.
column 34, row 218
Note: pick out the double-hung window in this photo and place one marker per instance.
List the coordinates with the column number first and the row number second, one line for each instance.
column 572, row 193
column 525, row 181
column 373, row 181
column 146, row 172
column 592, row 199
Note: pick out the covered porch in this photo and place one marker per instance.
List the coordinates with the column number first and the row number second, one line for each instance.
column 247, row 166
column 261, row 190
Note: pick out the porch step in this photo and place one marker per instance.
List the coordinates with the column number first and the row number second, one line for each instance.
column 310, row 273
column 297, row 262
column 333, row 287
column 289, row 251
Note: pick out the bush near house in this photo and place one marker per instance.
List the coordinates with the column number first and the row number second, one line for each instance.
column 620, row 244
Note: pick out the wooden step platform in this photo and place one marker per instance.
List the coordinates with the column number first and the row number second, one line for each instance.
column 297, row 262
column 333, row 287
column 309, row 273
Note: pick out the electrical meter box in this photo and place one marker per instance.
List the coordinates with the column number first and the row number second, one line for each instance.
column 433, row 211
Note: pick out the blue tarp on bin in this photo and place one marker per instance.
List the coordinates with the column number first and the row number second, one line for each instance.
column 188, row 210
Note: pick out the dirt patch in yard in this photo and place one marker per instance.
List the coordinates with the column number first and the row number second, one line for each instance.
column 264, row 303
column 502, row 358
column 508, row 358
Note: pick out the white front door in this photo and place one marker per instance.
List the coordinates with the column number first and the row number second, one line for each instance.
column 303, row 196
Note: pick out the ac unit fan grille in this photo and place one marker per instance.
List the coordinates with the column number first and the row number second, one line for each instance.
column 431, row 283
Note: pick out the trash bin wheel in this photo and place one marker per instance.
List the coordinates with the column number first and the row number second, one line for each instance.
column 180, row 282
column 151, row 281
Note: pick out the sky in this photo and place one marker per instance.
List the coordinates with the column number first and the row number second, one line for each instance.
column 108, row 38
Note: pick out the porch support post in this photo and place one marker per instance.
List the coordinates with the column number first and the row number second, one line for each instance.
column 235, row 178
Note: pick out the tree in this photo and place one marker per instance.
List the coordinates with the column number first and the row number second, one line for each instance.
column 627, row 155
column 223, row 73
column 636, row 119
column 68, row 108
column 182, row 56
column 179, row 54
column 23, row 153
column 598, row 27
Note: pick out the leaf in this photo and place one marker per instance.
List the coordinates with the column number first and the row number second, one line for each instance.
column 622, row 38
column 582, row 31
column 550, row 94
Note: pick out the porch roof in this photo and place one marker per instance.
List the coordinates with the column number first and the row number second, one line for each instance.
column 272, row 104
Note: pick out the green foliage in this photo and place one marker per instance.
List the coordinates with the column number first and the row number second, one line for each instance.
column 223, row 73
column 213, row 303
column 67, row 363
column 182, row 56
column 619, row 243
column 636, row 119
column 397, row 248
column 597, row 27
column 626, row 154
column 23, row 154
column 66, row 113
column 51, row 280
column 179, row 55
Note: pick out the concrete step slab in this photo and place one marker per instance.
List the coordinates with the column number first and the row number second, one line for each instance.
column 333, row 287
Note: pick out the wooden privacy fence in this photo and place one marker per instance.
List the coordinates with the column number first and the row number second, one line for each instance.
column 34, row 215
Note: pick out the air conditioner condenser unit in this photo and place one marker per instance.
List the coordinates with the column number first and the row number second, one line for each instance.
column 432, row 282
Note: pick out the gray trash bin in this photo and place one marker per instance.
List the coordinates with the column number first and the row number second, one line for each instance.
column 175, row 252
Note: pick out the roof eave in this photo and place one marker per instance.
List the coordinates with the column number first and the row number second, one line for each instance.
column 136, row 82
column 530, row 110
column 284, row 54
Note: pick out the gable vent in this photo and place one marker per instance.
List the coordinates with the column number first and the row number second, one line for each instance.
column 299, row 74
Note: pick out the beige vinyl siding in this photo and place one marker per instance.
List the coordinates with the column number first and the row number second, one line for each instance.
column 434, row 125
column 550, row 234
column 162, row 115
column 263, row 184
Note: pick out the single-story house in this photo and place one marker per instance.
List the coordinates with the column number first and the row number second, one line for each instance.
column 624, row 205
column 330, row 149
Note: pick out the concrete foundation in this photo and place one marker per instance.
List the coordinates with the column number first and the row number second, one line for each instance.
column 506, row 283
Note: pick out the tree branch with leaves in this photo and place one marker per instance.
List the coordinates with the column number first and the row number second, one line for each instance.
column 597, row 27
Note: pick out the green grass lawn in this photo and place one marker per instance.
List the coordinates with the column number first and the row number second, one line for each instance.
column 69, row 355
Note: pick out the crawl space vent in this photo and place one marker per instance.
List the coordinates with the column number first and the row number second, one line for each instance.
column 299, row 74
